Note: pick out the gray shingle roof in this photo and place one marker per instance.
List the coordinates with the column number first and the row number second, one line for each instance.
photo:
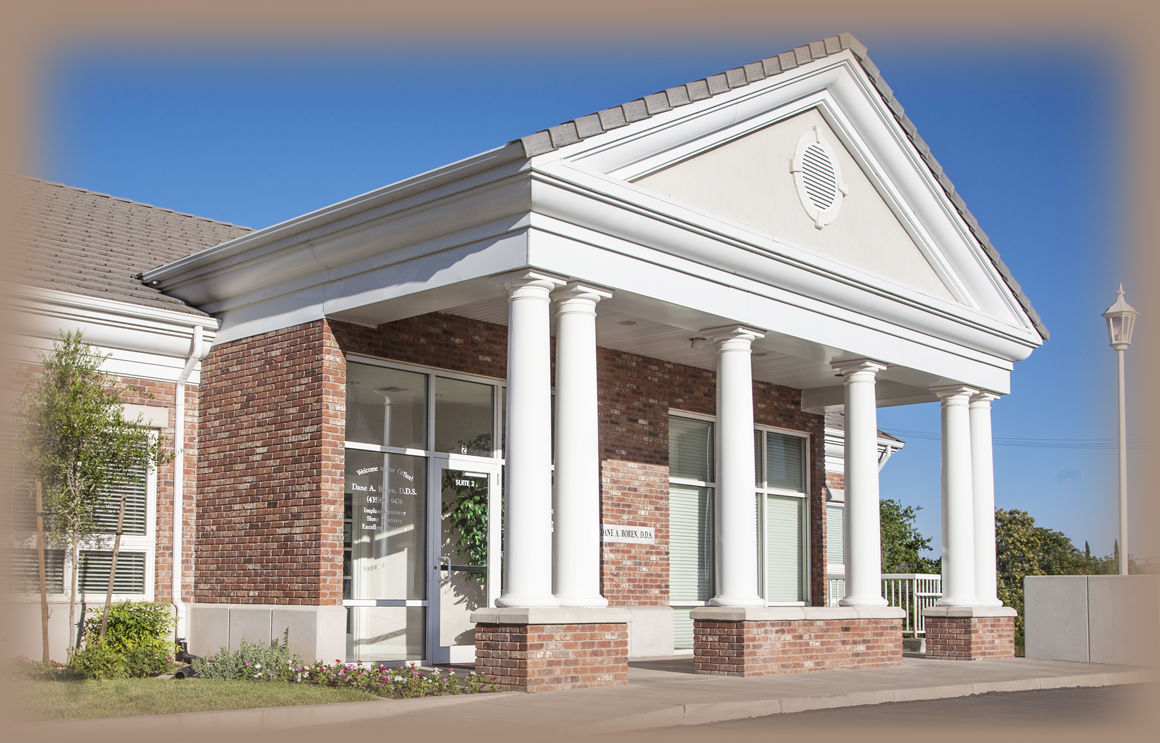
column 89, row 243
column 592, row 125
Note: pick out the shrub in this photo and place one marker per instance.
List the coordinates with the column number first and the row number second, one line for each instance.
column 99, row 660
column 136, row 642
column 252, row 661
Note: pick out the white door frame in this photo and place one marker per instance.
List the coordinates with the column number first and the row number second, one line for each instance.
column 493, row 468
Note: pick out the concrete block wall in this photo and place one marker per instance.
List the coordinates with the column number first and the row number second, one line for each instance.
column 1093, row 618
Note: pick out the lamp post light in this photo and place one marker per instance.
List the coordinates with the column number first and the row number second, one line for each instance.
column 1121, row 319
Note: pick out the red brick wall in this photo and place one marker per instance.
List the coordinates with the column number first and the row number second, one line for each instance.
column 970, row 638
column 762, row 648
column 636, row 394
column 550, row 657
column 270, row 470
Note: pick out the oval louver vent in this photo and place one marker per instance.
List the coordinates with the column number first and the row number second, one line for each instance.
column 821, row 181
column 818, row 178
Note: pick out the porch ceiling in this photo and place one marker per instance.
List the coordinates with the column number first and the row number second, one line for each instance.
column 644, row 326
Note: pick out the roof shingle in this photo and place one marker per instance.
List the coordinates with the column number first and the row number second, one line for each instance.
column 75, row 240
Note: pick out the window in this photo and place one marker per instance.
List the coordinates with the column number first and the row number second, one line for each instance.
column 691, row 489
column 780, row 517
column 780, row 460
column 835, row 546
column 134, row 577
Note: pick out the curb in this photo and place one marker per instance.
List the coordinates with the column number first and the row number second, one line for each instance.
column 708, row 712
column 264, row 718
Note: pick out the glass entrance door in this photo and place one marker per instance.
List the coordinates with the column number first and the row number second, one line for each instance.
column 463, row 577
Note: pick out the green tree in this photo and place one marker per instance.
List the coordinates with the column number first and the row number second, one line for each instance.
column 1023, row 548
column 902, row 542
column 79, row 444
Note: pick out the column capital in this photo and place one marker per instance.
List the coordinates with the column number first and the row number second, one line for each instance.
column 848, row 367
column 983, row 398
column 725, row 333
column 539, row 281
column 946, row 392
column 580, row 290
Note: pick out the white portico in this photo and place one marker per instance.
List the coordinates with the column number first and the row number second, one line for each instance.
column 779, row 224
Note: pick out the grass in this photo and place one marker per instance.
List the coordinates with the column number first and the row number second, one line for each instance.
column 56, row 700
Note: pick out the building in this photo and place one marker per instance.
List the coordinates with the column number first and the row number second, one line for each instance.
column 573, row 391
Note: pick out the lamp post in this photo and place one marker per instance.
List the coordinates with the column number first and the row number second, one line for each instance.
column 1121, row 319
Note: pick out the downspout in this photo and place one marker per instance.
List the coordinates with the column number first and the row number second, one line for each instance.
column 197, row 351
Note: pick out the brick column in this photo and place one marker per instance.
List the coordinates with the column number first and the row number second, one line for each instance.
column 969, row 632
column 552, row 648
column 763, row 641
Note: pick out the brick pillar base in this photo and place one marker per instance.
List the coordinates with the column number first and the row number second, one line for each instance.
column 734, row 641
column 550, row 649
column 969, row 632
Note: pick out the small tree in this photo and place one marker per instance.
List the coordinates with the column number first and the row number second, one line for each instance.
column 1024, row 548
column 902, row 542
column 79, row 444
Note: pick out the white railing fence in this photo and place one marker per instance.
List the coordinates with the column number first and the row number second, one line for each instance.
column 910, row 591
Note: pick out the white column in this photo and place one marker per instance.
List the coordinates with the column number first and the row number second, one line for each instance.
column 983, row 484
column 863, row 531
column 958, row 515
column 527, row 563
column 736, row 538
column 576, row 497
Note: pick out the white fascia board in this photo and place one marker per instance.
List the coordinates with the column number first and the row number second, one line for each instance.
column 619, row 211
column 754, row 290
column 838, row 86
column 472, row 191
column 142, row 342
column 730, row 298
column 426, row 281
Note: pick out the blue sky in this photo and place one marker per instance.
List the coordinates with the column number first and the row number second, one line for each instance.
column 261, row 135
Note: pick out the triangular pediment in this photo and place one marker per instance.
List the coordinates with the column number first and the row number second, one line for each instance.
column 803, row 158
column 753, row 180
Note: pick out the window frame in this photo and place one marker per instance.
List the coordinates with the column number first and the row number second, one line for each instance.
column 763, row 492
column 103, row 542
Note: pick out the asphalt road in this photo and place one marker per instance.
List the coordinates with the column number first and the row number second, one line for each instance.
column 1112, row 713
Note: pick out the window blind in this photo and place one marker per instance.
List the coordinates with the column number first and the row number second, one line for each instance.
column 691, row 449
column 94, row 572
column 24, row 572
column 135, row 490
column 785, row 461
column 783, row 548
column 690, row 543
column 835, row 535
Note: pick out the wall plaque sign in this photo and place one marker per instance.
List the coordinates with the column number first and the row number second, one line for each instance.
column 628, row 534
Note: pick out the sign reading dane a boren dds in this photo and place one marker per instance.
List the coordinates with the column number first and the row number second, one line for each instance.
column 628, row 534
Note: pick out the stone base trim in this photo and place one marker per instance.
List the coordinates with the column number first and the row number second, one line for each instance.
column 762, row 647
column 525, row 653
column 969, row 633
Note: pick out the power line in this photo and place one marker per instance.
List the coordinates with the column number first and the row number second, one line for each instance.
column 1036, row 443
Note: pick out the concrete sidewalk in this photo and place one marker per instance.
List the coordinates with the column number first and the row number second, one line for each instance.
column 661, row 692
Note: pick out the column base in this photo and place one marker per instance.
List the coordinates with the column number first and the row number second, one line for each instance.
column 548, row 649
column 969, row 632
column 736, row 641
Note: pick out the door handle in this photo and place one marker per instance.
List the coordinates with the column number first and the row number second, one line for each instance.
column 444, row 565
